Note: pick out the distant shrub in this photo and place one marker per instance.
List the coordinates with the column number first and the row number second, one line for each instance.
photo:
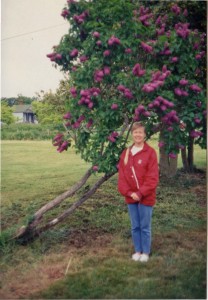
column 29, row 131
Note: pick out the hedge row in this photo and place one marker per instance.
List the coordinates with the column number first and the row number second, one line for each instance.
column 29, row 131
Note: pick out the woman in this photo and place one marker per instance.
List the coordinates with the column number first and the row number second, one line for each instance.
column 137, row 181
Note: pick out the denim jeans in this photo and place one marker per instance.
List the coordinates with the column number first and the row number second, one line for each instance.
column 141, row 217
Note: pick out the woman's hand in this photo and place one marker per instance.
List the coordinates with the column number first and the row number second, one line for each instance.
column 135, row 197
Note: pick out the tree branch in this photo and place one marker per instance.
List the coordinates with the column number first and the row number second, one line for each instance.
column 125, row 125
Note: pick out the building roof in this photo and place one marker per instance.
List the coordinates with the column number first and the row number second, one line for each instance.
column 26, row 108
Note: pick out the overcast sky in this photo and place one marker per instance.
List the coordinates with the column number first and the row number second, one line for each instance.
column 30, row 28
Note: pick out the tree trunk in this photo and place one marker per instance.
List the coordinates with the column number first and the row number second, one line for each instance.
column 184, row 160
column 188, row 158
column 167, row 165
column 27, row 233
column 191, row 154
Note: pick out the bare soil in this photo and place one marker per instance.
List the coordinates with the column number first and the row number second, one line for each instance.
column 23, row 280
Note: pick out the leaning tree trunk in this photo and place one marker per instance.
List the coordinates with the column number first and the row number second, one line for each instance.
column 34, row 228
column 167, row 165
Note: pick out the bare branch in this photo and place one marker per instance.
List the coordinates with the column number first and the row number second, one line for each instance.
column 127, row 136
column 125, row 125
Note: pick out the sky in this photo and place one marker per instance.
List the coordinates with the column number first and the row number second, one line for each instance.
column 29, row 30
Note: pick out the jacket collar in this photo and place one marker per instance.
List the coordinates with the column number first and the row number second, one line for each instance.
column 145, row 148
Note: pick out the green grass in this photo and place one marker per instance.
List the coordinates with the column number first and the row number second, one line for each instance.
column 96, row 238
column 117, row 278
column 33, row 172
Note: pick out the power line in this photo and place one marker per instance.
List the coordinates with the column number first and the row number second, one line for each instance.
column 27, row 33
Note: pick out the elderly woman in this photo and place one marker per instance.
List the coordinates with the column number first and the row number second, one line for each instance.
column 137, row 181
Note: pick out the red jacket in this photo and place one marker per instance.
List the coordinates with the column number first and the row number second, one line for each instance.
column 142, row 179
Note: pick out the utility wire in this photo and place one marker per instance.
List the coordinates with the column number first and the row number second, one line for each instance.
column 27, row 33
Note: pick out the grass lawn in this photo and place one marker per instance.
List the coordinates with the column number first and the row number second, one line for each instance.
column 89, row 255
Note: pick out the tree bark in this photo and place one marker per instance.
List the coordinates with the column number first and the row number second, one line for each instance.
column 191, row 154
column 184, row 160
column 167, row 165
column 187, row 155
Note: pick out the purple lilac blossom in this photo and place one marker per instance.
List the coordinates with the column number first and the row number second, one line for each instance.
column 63, row 146
column 95, row 168
column 182, row 30
column 195, row 88
column 128, row 51
column 96, row 34
column 106, row 53
column 114, row 41
column 174, row 59
column 67, row 116
column 172, row 155
column 146, row 47
column 183, row 82
column 114, row 106
column 90, row 123
column 176, row 9
column 195, row 134
column 83, row 58
column 161, row 144
column 137, row 71
column 65, row 13
column 74, row 53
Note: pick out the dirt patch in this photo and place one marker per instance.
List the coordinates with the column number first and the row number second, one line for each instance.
column 18, row 284
column 24, row 280
column 85, row 238
column 179, row 240
column 201, row 193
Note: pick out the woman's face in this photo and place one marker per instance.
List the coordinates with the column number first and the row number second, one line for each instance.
column 139, row 135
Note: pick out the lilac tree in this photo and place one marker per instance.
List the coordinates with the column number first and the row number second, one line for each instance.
column 133, row 66
column 126, row 63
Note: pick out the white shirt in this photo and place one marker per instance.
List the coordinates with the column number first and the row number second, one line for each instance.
column 135, row 149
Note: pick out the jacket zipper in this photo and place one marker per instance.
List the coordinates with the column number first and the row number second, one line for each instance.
column 134, row 173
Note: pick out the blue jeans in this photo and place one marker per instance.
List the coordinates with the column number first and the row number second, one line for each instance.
column 141, row 217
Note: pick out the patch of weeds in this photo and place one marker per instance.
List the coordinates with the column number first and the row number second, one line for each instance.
column 177, row 208
column 7, row 245
column 84, row 189
column 184, row 180
column 195, row 283
column 50, row 240
column 10, row 213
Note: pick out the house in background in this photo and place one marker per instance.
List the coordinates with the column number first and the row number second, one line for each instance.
column 24, row 113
